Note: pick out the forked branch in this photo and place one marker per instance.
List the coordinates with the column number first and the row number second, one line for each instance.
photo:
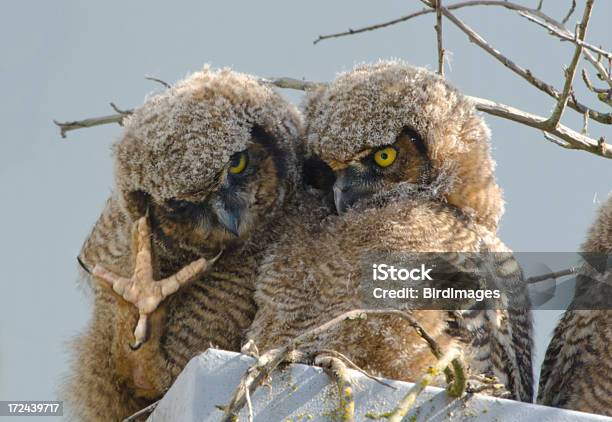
column 535, row 15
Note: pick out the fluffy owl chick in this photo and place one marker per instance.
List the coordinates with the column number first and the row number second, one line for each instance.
column 576, row 372
column 413, row 173
column 211, row 164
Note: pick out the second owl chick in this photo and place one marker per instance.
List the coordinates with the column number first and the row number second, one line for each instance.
column 576, row 373
column 412, row 173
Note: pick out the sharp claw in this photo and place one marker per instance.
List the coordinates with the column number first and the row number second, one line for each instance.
column 82, row 264
column 213, row 260
column 140, row 333
column 136, row 345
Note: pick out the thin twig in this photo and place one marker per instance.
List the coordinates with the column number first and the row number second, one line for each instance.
column 605, row 118
column 121, row 111
column 408, row 401
column 501, row 3
column 589, row 85
column 292, row 83
column 548, row 276
column 570, row 12
column 354, row 366
column 142, row 412
column 439, row 37
column 555, row 141
column 95, row 121
column 164, row 83
column 372, row 27
column 249, row 404
column 526, row 74
column 604, row 75
column 564, row 34
column 557, row 113
column 585, row 124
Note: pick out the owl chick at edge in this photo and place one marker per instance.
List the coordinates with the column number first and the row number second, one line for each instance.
column 577, row 369
column 208, row 166
column 412, row 173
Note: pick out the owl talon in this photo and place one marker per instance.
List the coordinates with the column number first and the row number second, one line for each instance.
column 488, row 384
column 135, row 346
column 142, row 290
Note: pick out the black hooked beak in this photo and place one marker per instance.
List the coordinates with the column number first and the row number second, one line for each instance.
column 343, row 199
column 348, row 189
column 229, row 214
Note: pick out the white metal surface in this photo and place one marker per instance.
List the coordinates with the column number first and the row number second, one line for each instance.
column 304, row 393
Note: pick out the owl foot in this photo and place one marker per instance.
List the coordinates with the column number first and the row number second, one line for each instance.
column 487, row 384
column 141, row 289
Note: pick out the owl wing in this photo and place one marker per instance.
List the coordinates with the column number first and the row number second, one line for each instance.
column 510, row 324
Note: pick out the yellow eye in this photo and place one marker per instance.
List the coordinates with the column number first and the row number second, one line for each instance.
column 385, row 157
column 238, row 163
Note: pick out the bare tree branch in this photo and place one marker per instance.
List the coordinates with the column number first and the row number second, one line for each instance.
column 354, row 366
column 500, row 3
column 585, row 124
column 571, row 138
column 120, row 111
column 409, row 400
column 373, row 27
column 525, row 73
column 604, row 75
column 553, row 121
column 557, row 28
column 570, row 12
column 439, row 37
column 142, row 413
column 548, row 276
column 95, row 121
column 603, row 94
column 291, row 83
column 151, row 78
column 564, row 34
column 287, row 83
